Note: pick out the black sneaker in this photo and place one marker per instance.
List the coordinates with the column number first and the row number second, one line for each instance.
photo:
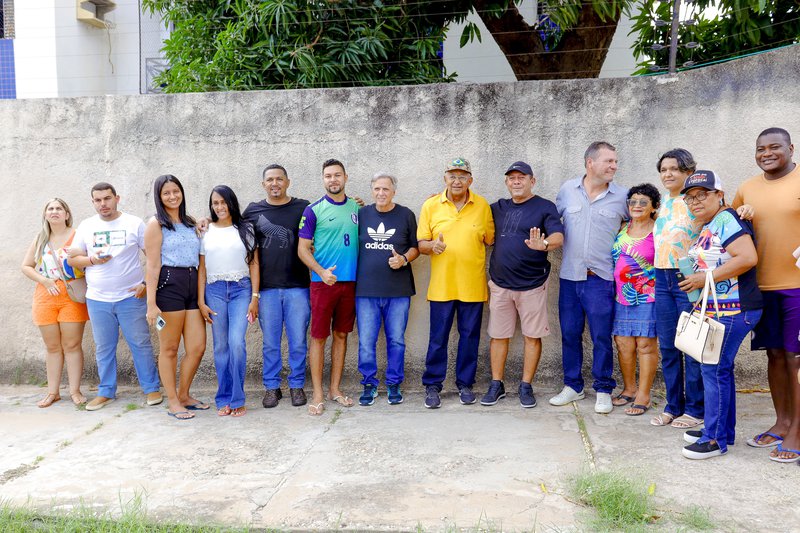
column 432, row 400
column 271, row 397
column 705, row 450
column 693, row 435
column 369, row 395
column 394, row 394
column 298, row 397
column 496, row 391
column 466, row 396
column 526, row 397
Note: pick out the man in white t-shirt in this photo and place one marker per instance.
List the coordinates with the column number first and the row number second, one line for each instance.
column 107, row 247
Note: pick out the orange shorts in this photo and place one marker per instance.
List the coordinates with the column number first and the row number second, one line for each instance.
column 49, row 309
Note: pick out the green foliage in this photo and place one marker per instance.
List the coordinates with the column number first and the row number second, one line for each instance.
column 220, row 45
column 620, row 502
column 736, row 28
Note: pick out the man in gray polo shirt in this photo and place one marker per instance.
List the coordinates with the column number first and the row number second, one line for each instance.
column 592, row 207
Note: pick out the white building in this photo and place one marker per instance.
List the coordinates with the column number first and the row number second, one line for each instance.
column 64, row 48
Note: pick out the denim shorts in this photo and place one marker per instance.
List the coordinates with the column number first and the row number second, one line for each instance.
column 634, row 320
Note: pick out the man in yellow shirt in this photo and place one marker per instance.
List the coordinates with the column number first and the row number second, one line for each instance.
column 774, row 196
column 454, row 228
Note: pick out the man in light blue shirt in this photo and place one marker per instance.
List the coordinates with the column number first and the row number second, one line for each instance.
column 592, row 208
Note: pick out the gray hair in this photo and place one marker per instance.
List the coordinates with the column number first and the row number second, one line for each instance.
column 382, row 175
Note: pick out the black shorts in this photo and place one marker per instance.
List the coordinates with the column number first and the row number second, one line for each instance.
column 177, row 289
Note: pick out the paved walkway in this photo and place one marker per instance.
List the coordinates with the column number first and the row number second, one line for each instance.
column 383, row 467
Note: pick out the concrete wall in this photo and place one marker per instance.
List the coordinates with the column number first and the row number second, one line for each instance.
column 62, row 146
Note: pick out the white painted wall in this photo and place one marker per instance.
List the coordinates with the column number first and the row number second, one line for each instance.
column 483, row 62
column 60, row 56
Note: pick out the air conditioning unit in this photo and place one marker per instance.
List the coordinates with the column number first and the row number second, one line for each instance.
column 94, row 11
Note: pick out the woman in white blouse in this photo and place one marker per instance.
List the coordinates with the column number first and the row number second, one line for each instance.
column 228, row 279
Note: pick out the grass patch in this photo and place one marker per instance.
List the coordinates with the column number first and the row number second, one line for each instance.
column 133, row 518
column 694, row 518
column 132, row 407
column 336, row 415
column 95, row 428
column 63, row 444
column 39, row 459
column 620, row 503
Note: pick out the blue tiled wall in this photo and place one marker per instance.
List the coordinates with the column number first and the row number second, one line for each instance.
column 8, row 81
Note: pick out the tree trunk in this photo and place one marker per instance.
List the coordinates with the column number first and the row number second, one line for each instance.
column 580, row 53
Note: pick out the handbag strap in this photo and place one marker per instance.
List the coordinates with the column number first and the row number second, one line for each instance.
column 712, row 288
column 57, row 260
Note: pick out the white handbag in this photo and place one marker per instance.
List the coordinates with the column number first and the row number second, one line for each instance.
column 699, row 336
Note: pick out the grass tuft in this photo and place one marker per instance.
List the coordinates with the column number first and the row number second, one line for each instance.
column 133, row 518
column 695, row 518
column 621, row 503
column 132, row 407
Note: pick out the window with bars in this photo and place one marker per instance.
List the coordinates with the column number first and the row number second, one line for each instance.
column 6, row 19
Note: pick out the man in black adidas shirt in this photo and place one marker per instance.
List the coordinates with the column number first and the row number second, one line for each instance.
column 387, row 243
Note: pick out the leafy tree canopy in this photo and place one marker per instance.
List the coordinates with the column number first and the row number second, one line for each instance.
column 275, row 44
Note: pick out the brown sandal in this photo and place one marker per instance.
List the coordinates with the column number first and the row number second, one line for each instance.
column 78, row 398
column 48, row 400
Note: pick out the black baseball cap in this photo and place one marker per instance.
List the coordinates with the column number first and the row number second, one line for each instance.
column 705, row 179
column 520, row 166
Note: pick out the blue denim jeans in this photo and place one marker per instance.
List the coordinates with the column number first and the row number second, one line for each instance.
column 229, row 300
column 107, row 318
column 578, row 301
column 718, row 380
column 393, row 312
column 470, row 315
column 681, row 373
column 278, row 308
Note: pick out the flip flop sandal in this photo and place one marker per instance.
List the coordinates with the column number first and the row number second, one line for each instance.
column 199, row 406
column 625, row 400
column 239, row 411
column 344, row 401
column 316, row 409
column 181, row 415
column 755, row 442
column 664, row 419
column 224, row 411
column 686, row 422
column 780, row 448
column 643, row 408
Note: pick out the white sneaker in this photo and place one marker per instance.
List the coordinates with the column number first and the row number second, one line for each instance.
column 568, row 395
column 603, row 404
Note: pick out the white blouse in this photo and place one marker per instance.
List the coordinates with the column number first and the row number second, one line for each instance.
column 225, row 254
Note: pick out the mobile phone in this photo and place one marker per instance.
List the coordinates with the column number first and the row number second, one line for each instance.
column 250, row 318
column 680, row 276
column 160, row 323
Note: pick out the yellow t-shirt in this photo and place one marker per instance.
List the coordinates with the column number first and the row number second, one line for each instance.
column 459, row 273
column 777, row 227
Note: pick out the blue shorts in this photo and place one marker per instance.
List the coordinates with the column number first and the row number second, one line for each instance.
column 634, row 320
column 779, row 326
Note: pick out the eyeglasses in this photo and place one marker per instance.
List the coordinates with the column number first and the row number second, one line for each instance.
column 462, row 179
column 638, row 203
column 699, row 197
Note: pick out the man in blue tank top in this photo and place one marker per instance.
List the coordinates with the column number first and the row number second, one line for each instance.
column 330, row 227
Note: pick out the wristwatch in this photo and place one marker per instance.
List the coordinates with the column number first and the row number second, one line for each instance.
column 546, row 244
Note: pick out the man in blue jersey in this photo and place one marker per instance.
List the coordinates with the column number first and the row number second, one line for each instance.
column 329, row 226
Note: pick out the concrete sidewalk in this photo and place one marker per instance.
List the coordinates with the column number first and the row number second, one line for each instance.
column 380, row 468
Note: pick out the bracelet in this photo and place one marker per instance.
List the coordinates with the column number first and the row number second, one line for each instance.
column 406, row 259
column 90, row 260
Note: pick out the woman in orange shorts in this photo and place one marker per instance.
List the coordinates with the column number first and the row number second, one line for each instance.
column 60, row 320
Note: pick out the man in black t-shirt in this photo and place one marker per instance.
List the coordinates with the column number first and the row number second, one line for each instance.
column 283, row 295
column 526, row 228
column 387, row 243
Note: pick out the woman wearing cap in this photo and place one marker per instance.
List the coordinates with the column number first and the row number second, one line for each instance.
column 724, row 246
column 60, row 320
column 634, row 326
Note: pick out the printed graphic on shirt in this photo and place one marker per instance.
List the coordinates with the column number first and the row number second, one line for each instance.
column 103, row 242
column 511, row 222
column 273, row 235
column 634, row 273
column 709, row 252
column 379, row 235
column 673, row 232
